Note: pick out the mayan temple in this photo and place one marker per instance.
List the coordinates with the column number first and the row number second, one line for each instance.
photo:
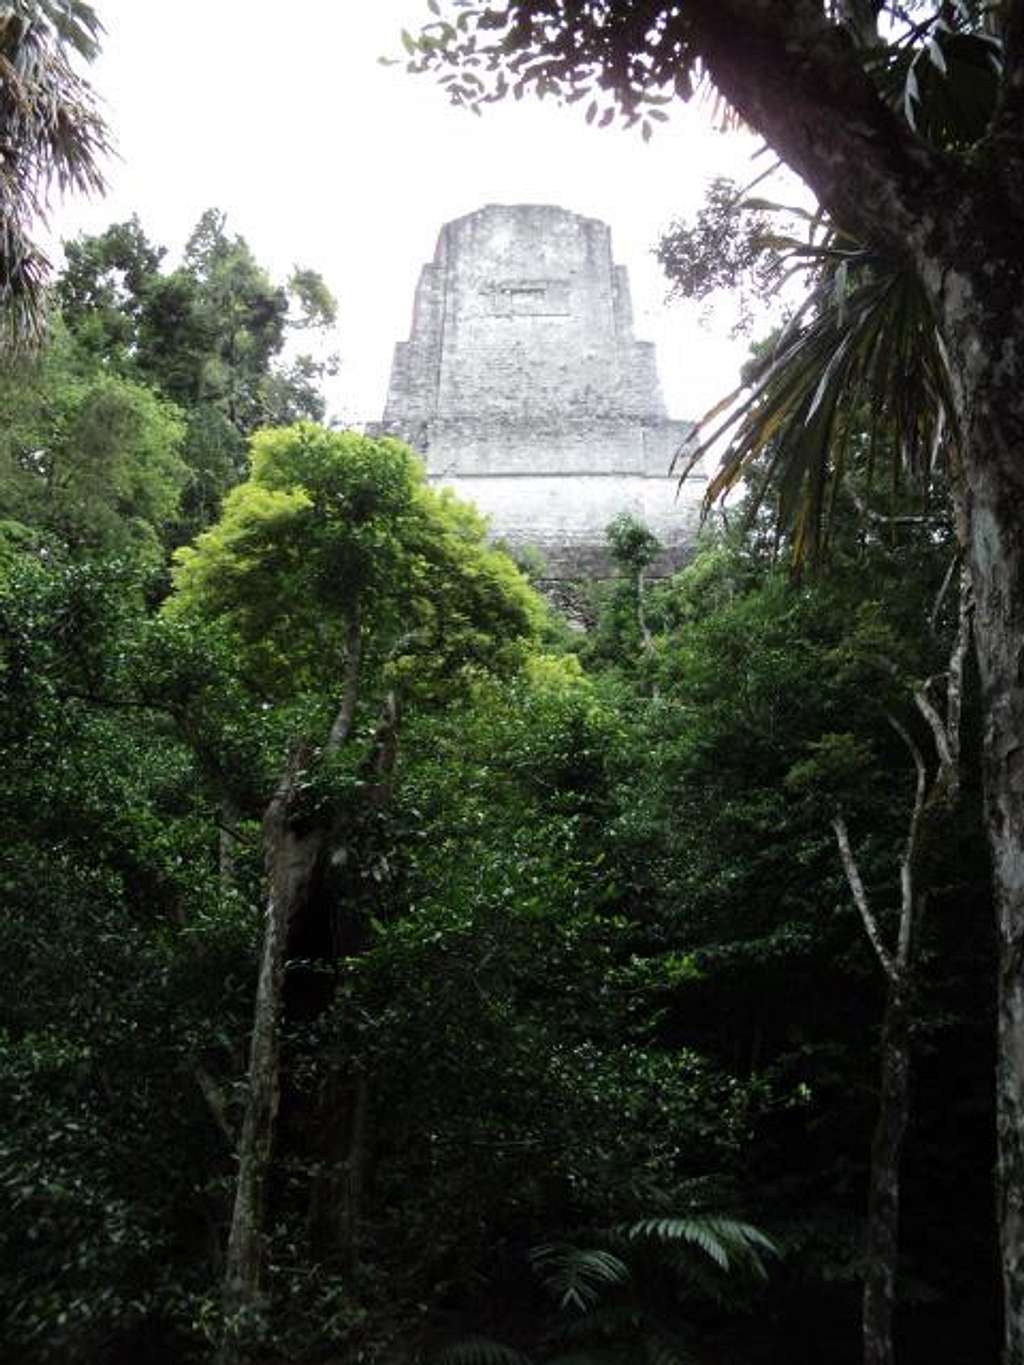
column 523, row 387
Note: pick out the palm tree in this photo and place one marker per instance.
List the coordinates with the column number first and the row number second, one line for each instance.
column 51, row 135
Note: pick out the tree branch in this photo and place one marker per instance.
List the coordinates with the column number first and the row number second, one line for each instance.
column 799, row 81
column 933, row 720
column 882, row 519
column 946, row 733
column 860, row 897
column 955, row 685
column 342, row 726
column 940, row 596
column 909, row 855
column 215, row 1102
column 233, row 831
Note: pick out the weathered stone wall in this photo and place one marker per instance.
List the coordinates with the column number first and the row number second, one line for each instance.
column 564, row 517
column 524, row 389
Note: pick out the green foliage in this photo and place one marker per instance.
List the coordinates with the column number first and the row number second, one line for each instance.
column 206, row 333
column 771, row 710
column 496, row 998
column 727, row 1242
column 124, row 966
column 209, row 335
column 316, row 302
column 89, row 459
column 576, row 1277
column 480, row 1351
column 730, row 245
column 633, row 546
column 330, row 524
column 580, row 1280
column 834, row 762
column 857, row 376
column 602, row 981
column 102, row 288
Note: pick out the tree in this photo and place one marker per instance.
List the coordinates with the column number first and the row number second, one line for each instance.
column 634, row 548
column 208, row 335
column 50, row 134
column 101, row 292
column 90, row 460
column 747, row 885
column 833, row 760
column 952, row 217
column 344, row 577
column 501, row 1011
column 120, row 954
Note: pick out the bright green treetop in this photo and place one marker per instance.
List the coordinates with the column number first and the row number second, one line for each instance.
column 332, row 528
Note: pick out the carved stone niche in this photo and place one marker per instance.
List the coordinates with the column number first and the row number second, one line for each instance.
column 529, row 298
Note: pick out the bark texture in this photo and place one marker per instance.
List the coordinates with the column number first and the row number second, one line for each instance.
column 996, row 483
column 881, row 1243
column 340, row 1126
column 291, row 859
column 293, row 853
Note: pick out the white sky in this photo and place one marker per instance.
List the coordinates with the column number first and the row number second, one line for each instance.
column 280, row 114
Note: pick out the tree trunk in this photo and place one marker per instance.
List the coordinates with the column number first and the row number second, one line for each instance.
column 353, row 1173
column 881, row 1248
column 292, row 857
column 291, row 860
column 860, row 18
column 996, row 479
column 984, row 327
column 227, row 859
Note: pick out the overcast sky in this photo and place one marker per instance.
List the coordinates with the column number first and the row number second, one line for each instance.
column 280, row 114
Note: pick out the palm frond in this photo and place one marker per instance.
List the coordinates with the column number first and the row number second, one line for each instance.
column 595, row 1355
column 728, row 1242
column 51, row 135
column 624, row 1324
column 607, row 1322
column 575, row 1276
column 479, row 1351
column 864, row 355
column 664, row 1350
